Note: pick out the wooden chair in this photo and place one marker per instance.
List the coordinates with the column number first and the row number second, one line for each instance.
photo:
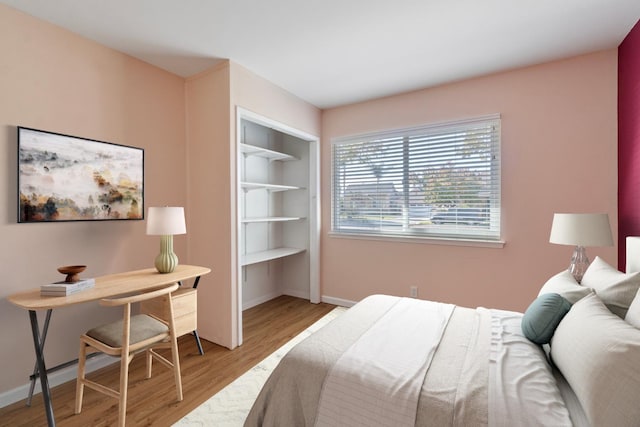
column 126, row 338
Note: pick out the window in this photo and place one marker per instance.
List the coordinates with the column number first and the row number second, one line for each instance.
column 437, row 181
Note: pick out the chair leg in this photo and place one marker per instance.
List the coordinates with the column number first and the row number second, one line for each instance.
column 82, row 357
column 176, row 365
column 124, row 381
column 149, row 358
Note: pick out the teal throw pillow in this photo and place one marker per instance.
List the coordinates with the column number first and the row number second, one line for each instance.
column 543, row 317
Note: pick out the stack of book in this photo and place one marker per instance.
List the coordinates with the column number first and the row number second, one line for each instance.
column 61, row 289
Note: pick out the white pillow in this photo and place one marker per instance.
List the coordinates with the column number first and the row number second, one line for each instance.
column 615, row 289
column 565, row 284
column 633, row 315
column 599, row 355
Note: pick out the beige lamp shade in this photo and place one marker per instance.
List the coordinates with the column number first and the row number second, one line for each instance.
column 165, row 221
column 581, row 229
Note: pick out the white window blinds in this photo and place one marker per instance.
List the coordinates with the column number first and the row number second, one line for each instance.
column 437, row 181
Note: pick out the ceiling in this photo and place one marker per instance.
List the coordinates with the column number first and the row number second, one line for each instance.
column 336, row 52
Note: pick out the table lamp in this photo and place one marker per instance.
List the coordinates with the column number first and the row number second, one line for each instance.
column 165, row 222
column 581, row 230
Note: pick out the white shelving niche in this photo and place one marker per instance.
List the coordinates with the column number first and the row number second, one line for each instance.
column 277, row 206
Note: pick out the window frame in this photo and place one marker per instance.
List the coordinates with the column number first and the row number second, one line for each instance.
column 472, row 236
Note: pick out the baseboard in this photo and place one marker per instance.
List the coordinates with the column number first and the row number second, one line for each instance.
column 299, row 294
column 338, row 301
column 55, row 378
column 268, row 297
column 261, row 299
column 296, row 293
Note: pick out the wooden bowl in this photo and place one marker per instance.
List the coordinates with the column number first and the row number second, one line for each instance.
column 72, row 272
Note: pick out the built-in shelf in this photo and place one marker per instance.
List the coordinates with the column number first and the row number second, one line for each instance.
column 252, row 150
column 271, row 187
column 272, row 219
column 277, row 228
column 271, row 254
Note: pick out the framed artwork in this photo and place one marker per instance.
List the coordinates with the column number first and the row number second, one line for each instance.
column 67, row 178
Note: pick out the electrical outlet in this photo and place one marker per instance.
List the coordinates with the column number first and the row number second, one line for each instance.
column 414, row 292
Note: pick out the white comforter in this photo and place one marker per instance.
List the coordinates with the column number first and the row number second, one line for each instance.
column 387, row 374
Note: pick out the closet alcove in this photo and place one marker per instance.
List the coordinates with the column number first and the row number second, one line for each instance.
column 278, row 212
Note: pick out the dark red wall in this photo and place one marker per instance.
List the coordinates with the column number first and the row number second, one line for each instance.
column 628, row 140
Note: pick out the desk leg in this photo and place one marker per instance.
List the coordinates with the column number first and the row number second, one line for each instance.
column 34, row 376
column 195, row 333
column 42, row 370
column 198, row 343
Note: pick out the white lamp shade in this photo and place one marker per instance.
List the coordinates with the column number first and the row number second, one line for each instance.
column 166, row 221
column 581, row 229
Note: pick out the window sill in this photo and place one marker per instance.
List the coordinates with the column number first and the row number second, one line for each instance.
column 496, row 244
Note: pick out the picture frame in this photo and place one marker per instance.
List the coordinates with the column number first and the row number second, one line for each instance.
column 68, row 178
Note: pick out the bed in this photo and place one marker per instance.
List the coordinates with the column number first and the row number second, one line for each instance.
column 391, row 361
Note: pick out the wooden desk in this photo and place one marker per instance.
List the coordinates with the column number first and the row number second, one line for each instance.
column 105, row 287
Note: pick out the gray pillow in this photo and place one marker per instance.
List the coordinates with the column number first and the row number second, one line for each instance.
column 615, row 288
column 633, row 315
column 599, row 355
column 565, row 284
column 543, row 317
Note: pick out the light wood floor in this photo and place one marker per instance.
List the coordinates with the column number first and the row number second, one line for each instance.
column 153, row 401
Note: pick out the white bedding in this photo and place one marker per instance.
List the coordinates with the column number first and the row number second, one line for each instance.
column 522, row 388
column 388, row 385
column 578, row 416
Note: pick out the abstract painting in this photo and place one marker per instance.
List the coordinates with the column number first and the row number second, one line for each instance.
column 66, row 178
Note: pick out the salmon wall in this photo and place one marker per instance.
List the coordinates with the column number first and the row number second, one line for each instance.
column 559, row 154
column 209, row 189
column 53, row 80
column 629, row 138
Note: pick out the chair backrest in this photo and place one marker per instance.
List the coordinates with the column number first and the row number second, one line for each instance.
column 110, row 302
column 126, row 301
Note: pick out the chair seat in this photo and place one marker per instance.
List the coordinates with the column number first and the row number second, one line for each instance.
column 142, row 327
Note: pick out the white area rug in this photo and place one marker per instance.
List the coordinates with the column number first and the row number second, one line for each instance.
column 230, row 406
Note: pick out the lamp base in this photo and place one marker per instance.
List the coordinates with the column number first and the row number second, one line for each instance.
column 166, row 261
column 579, row 263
